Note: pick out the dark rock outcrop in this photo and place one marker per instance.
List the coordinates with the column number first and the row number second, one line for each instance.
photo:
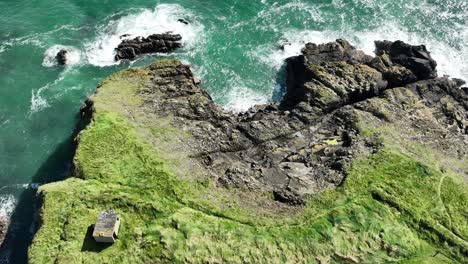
column 331, row 75
column 131, row 48
column 61, row 57
column 415, row 58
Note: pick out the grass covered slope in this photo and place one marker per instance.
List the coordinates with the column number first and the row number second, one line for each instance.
column 392, row 207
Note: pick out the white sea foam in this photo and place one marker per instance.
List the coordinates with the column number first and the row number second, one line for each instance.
column 239, row 96
column 73, row 55
column 35, row 39
column 5, row 122
column 163, row 18
column 7, row 205
column 20, row 186
column 241, row 99
column 38, row 102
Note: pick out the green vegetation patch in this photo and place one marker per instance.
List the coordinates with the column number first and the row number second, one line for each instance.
column 165, row 220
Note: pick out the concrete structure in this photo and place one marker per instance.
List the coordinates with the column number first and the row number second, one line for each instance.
column 107, row 227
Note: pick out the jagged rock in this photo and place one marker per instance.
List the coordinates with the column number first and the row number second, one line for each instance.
column 415, row 58
column 330, row 75
column 341, row 50
column 61, row 57
column 131, row 48
column 395, row 75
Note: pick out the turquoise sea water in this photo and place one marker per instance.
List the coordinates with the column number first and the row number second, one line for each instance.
column 232, row 46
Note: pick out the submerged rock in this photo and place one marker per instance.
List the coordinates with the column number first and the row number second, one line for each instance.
column 183, row 21
column 61, row 57
column 131, row 48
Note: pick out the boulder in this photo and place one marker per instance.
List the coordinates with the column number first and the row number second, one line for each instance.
column 131, row 48
column 61, row 57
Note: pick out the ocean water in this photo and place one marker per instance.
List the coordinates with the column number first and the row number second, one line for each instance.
column 232, row 45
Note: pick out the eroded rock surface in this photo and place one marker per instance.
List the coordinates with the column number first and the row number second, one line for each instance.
column 131, row 48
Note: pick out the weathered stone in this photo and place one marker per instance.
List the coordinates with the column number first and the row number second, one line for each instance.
column 131, row 48
column 330, row 75
column 415, row 58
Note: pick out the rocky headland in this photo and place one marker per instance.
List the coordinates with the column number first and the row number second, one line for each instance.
column 363, row 161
